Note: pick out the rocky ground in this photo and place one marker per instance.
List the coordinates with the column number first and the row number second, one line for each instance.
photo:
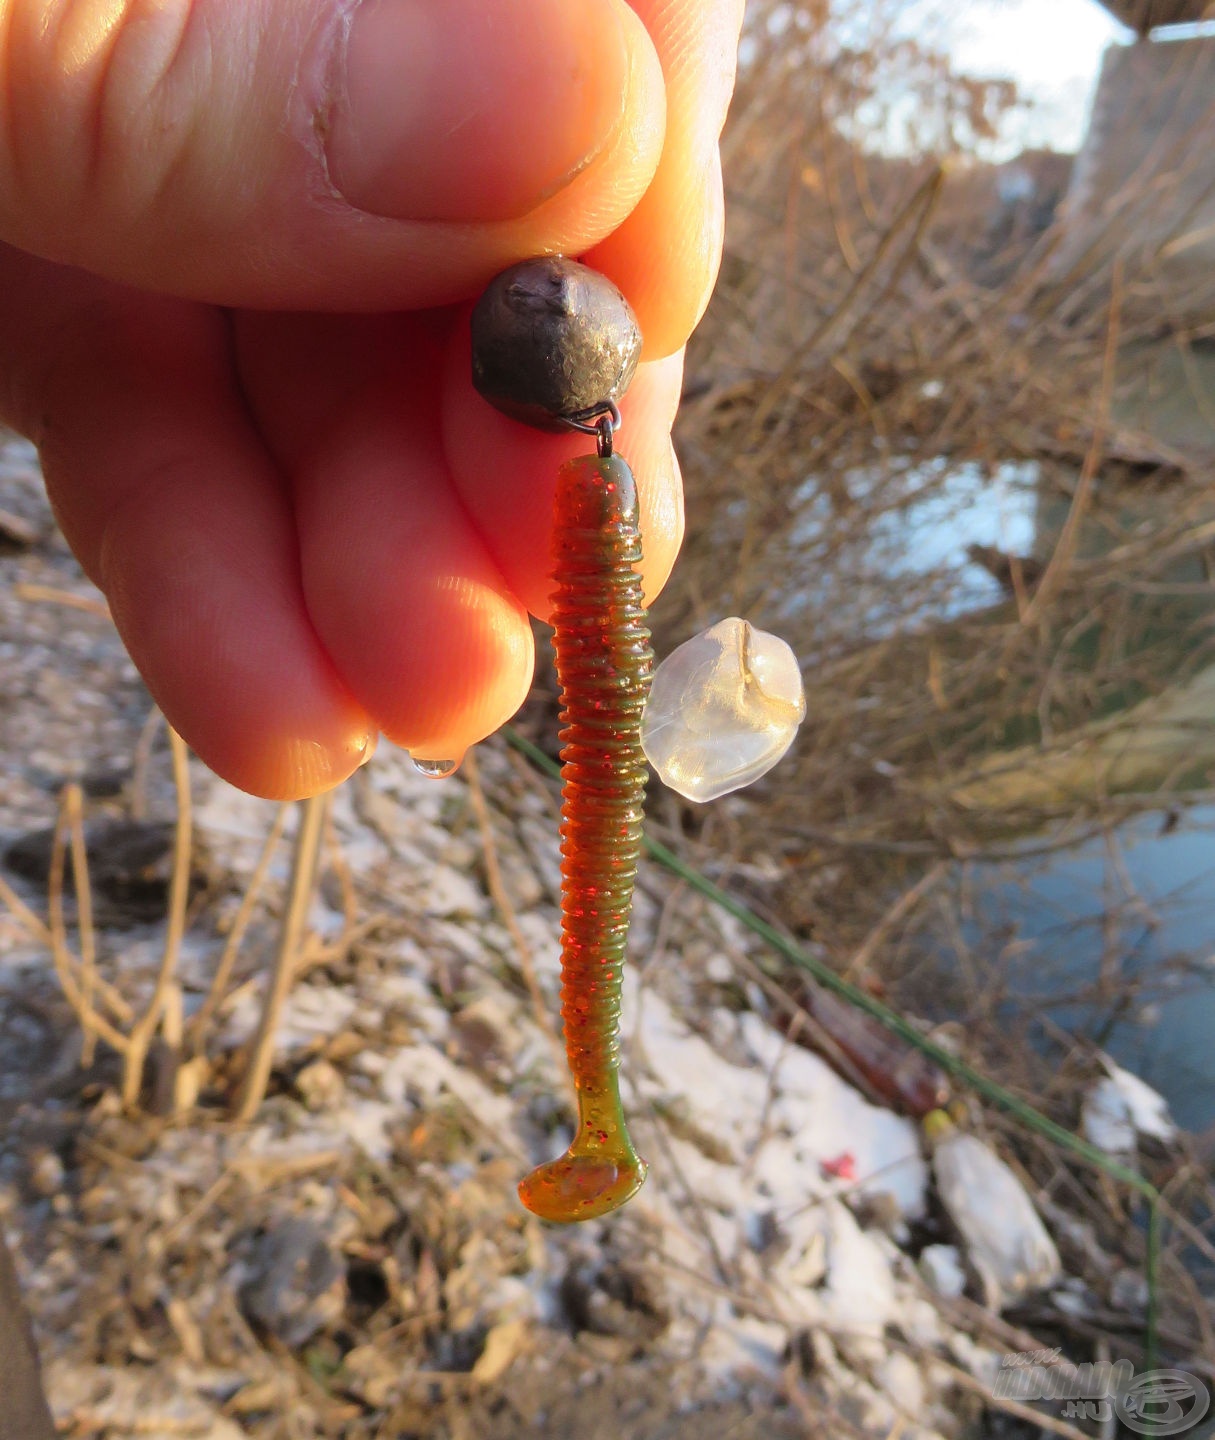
column 354, row 1262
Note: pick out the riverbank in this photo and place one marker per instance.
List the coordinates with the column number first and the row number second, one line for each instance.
column 354, row 1261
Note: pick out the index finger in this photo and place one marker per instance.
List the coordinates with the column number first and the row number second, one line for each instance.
column 665, row 255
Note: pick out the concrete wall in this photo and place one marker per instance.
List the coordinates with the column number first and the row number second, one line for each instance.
column 1144, row 183
column 1142, row 15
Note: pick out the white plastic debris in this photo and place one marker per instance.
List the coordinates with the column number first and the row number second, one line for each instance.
column 900, row 1379
column 1120, row 1108
column 1007, row 1243
column 724, row 707
column 941, row 1266
column 1105, row 1119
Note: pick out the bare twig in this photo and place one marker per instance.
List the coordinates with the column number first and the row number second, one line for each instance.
column 35, row 926
column 967, row 1381
column 92, row 604
column 145, row 1027
column 40, row 932
column 1065, row 547
column 498, row 892
column 894, row 916
column 84, row 923
column 310, row 828
column 201, row 1021
column 61, row 956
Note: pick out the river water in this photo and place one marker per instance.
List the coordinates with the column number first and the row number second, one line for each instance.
column 1135, row 906
column 1112, row 938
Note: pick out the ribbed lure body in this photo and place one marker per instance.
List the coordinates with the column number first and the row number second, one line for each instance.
column 604, row 663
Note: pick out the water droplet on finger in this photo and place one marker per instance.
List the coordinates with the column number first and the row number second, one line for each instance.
column 434, row 769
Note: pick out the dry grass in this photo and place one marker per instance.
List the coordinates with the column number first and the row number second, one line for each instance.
column 854, row 393
column 858, row 390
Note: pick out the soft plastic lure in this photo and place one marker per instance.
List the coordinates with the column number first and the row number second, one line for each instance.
column 603, row 667
column 555, row 344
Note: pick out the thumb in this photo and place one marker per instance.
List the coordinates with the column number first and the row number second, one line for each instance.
column 321, row 153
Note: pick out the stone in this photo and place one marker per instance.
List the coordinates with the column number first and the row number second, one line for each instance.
column 297, row 1284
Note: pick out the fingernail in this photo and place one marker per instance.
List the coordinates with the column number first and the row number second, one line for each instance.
column 463, row 111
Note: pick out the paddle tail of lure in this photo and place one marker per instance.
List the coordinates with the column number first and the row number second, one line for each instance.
column 604, row 663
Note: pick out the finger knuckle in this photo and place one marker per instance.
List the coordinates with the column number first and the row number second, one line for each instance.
column 95, row 113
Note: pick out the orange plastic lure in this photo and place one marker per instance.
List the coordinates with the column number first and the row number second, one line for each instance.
column 604, row 662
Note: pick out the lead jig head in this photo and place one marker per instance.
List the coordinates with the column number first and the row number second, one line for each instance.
column 554, row 344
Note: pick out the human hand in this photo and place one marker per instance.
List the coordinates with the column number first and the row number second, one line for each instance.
column 241, row 238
